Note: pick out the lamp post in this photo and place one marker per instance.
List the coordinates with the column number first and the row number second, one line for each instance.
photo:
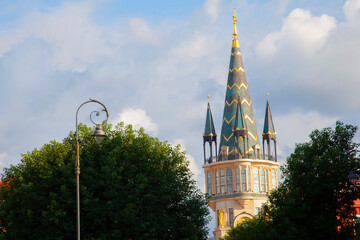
column 99, row 134
column 352, row 175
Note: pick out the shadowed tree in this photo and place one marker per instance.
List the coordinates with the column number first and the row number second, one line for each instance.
column 315, row 199
column 133, row 186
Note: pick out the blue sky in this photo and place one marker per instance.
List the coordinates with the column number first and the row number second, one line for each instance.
column 153, row 63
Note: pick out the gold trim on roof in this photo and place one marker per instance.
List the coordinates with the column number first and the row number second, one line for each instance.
column 269, row 133
column 248, row 103
column 252, row 121
column 237, row 69
column 229, row 104
column 229, row 120
column 227, row 139
column 236, row 53
column 241, row 85
column 255, row 138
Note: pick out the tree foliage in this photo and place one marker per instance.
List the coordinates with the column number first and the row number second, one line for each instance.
column 315, row 198
column 132, row 186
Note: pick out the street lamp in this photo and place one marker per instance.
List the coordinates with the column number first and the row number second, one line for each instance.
column 98, row 134
column 352, row 174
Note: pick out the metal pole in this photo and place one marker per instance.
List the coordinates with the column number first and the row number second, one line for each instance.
column 77, row 169
column 77, row 162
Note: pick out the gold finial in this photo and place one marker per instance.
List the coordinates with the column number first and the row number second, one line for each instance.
column 235, row 42
column 235, row 20
column 267, row 96
column 208, row 98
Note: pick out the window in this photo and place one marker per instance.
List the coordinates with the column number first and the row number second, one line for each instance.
column 217, row 182
column 256, row 179
column 266, row 180
column 237, row 179
column 231, row 217
column 273, row 177
column 229, row 180
column 249, row 179
column 262, row 179
column 243, row 179
column 209, row 182
column 222, row 181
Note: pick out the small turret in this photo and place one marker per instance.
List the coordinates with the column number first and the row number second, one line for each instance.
column 209, row 136
column 240, row 132
column 269, row 133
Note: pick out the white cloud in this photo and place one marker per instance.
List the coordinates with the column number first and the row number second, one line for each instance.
column 296, row 126
column 2, row 157
column 142, row 31
column 351, row 9
column 137, row 118
column 212, row 8
column 74, row 41
column 192, row 162
column 196, row 46
column 300, row 32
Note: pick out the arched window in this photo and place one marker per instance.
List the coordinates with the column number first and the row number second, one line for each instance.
column 273, row 177
column 237, row 179
column 256, row 179
column 243, row 179
column 229, row 180
column 262, row 179
column 222, row 181
column 249, row 179
column 209, row 182
column 217, row 182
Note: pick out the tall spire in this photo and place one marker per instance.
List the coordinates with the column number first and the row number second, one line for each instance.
column 209, row 122
column 269, row 134
column 237, row 92
column 269, row 128
column 209, row 136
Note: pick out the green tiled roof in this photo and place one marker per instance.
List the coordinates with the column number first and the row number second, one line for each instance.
column 209, row 123
column 237, row 88
column 239, row 119
column 268, row 123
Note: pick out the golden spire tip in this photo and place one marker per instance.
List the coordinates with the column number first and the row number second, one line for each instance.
column 235, row 41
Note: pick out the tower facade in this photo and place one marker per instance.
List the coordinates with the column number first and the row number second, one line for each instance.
column 239, row 178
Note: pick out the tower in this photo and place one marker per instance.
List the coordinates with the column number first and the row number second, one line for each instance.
column 240, row 177
column 209, row 136
column 269, row 134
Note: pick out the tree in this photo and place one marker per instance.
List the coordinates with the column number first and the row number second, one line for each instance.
column 252, row 229
column 133, row 186
column 315, row 198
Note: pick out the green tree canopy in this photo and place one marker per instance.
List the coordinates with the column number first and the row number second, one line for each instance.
column 132, row 186
column 315, row 198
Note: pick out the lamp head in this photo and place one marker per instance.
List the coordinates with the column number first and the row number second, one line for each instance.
column 98, row 134
column 353, row 176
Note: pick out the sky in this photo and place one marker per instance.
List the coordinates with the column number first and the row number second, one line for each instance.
column 153, row 64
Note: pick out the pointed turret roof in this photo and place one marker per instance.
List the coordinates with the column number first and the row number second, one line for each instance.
column 269, row 128
column 240, row 123
column 237, row 92
column 209, row 123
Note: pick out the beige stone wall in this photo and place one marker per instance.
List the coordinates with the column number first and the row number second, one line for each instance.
column 245, row 204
